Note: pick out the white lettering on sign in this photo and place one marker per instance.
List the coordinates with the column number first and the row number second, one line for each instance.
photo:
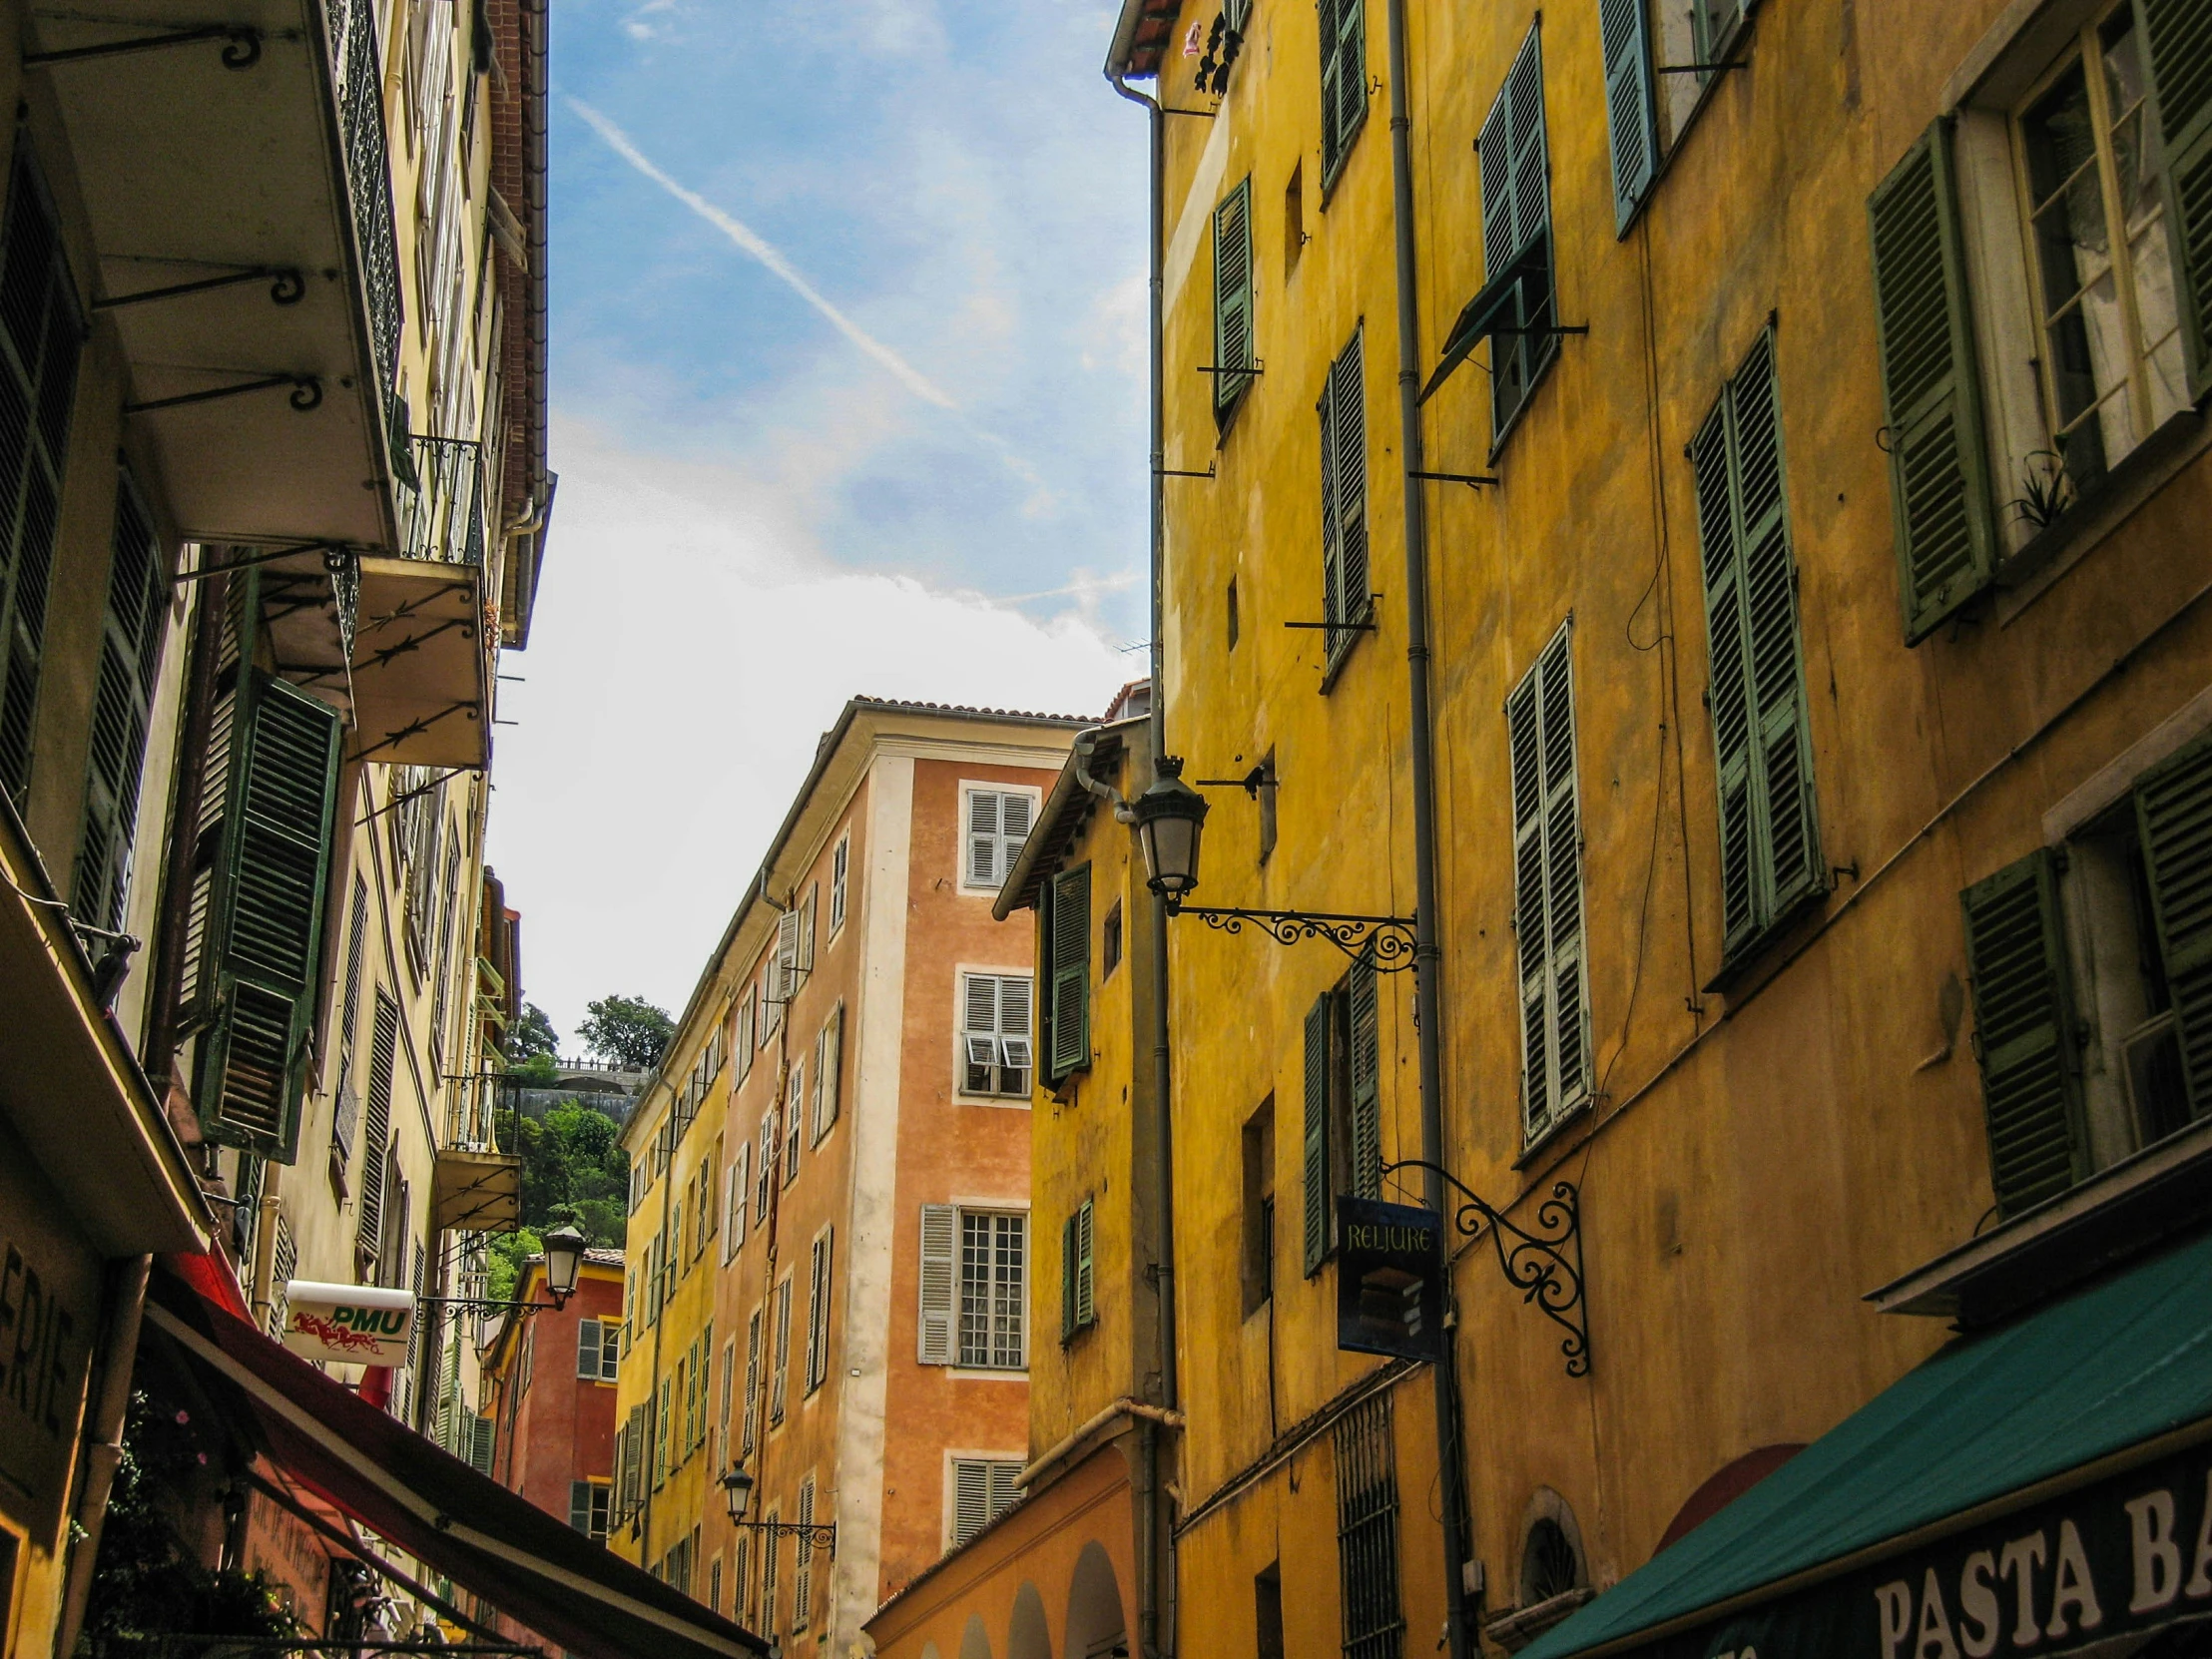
column 2150, row 1525
column 1980, row 1619
column 2074, row 1590
column 2200, row 1577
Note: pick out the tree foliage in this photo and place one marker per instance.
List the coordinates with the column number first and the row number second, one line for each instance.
column 574, row 1172
column 627, row 1030
column 532, row 1034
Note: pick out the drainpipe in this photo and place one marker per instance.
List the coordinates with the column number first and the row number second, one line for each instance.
column 1155, row 1589
column 1428, row 954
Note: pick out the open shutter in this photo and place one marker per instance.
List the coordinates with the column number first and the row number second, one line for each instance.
column 780, row 1361
column 1945, row 530
column 482, row 1438
column 266, row 919
column 2179, row 38
column 1086, row 1305
column 1367, row 1071
column 1631, row 114
column 1332, row 546
column 749, row 1430
column 2024, row 1032
column 829, row 1072
column 1070, row 992
column 1564, row 878
column 1727, row 688
column 802, row 1581
column 1318, row 1193
column 383, row 1053
column 804, row 952
column 1524, row 733
column 939, row 1276
column 1233, row 293
column 1344, row 81
column 1345, row 494
column 2173, row 805
column 1494, row 163
column 784, row 974
column 130, row 647
column 1067, row 1278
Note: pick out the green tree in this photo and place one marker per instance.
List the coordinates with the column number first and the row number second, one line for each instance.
column 627, row 1030
column 574, row 1172
column 532, row 1034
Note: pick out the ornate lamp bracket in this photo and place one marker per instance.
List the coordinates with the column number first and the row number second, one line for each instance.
column 1544, row 1266
column 1387, row 940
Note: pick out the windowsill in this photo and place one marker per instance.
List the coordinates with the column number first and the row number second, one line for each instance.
column 2119, row 1212
column 1541, row 1146
column 2100, row 508
column 987, row 1373
column 1340, row 656
column 1756, row 951
column 1516, row 1629
column 1543, row 373
column 1020, row 1102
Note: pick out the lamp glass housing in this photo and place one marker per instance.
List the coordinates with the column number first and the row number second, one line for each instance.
column 1170, row 816
column 564, row 1255
column 737, row 1489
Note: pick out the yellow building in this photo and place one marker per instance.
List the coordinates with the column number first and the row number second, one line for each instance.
column 1798, row 769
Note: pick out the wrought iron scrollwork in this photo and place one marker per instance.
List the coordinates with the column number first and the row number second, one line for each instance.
column 1387, row 941
column 1545, row 1266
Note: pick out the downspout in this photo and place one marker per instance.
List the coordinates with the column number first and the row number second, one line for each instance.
column 1428, row 954
column 103, row 1445
column 1155, row 1587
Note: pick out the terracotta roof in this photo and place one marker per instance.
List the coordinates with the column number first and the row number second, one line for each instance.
column 970, row 708
column 1140, row 37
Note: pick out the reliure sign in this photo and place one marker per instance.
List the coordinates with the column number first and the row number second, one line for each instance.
column 359, row 1325
column 1389, row 1279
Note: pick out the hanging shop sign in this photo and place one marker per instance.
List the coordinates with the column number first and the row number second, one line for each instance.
column 1389, row 1279
column 359, row 1325
column 48, row 1321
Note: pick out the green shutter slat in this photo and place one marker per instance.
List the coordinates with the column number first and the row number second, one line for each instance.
column 1343, row 451
column 1331, row 559
column 1524, row 736
column 1516, row 168
column 2023, row 1032
column 1318, row 1193
column 1631, row 110
column 1071, row 970
column 131, row 634
column 1344, row 82
column 1728, row 688
column 1067, row 1278
column 2177, row 35
column 1233, row 348
column 1366, row 1076
column 1932, row 392
column 2173, row 805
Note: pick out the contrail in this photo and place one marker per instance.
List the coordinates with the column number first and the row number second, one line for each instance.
column 1102, row 584
column 743, row 234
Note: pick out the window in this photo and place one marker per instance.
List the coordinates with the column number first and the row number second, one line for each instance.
column 2090, row 1013
column 1233, row 348
column 1264, row 788
column 1259, row 1208
column 589, row 1505
column 1367, row 1531
column 713, row 1585
column 1548, row 891
column 1770, row 837
column 749, row 1427
column 663, row 1431
column 997, row 823
column 995, row 1034
column 828, row 1071
column 1109, row 943
column 1648, row 111
column 1514, row 309
column 598, row 1349
column 741, row 1579
column 803, row 1581
column 1551, row 1565
column 983, row 1489
column 1267, row 1601
column 767, row 1188
column 1344, row 83
column 841, row 858
column 737, row 1200
column 769, row 1558
column 1068, row 998
column 973, row 1274
column 1078, row 1282
column 794, row 1119
column 725, row 1401
column 741, row 1042
column 1347, row 604
column 781, row 1361
column 130, row 646
column 1234, row 620
column 1294, row 225
column 819, row 1291
column 1343, row 1130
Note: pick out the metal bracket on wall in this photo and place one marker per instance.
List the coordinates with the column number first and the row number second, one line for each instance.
column 287, row 287
column 1471, row 479
column 1388, row 942
column 242, row 46
column 1697, row 68
column 1177, row 472
column 1332, row 629
column 1215, row 368
column 307, row 394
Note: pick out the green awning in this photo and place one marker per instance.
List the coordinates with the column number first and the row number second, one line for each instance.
column 2086, row 1425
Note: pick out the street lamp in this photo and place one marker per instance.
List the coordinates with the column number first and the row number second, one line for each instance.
column 1169, row 817
column 564, row 1254
column 736, row 1490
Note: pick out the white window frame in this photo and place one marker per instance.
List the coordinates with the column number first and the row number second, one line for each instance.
column 961, row 1033
column 840, row 876
column 1004, row 854
column 794, row 1119
column 737, row 1202
column 966, row 1212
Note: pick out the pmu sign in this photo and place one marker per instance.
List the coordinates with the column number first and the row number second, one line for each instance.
column 359, row 1325
column 1389, row 1279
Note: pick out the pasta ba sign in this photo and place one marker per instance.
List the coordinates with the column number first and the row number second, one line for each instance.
column 359, row 1325
column 1389, row 1279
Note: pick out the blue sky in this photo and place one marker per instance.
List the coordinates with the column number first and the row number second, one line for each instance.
column 928, row 480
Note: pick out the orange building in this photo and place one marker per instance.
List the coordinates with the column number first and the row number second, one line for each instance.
column 829, row 1249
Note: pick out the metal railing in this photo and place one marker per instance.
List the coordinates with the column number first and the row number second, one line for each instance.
column 368, row 169
column 442, row 516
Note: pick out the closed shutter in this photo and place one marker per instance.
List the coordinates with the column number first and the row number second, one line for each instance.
column 2024, row 1032
column 749, row 1429
column 1343, row 496
column 828, row 1071
column 802, row 1581
column 41, row 338
column 817, row 1309
column 2179, row 35
column 483, row 1438
column 265, row 921
column 1366, row 1070
column 1631, row 110
column 1004, row 1494
column 982, row 837
column 939, row 1276
column 765, row 1189
column 1086, row 1302
column 579, row 1506
column 737, row 1200
column 1344, row 82
column 587, row 1349
column 1318, row 1193
column 1945, row 530
column 1233, row 294
column 1770, row 840
column 1069, row 1007
column 2173, row 806
column 971, row 1499
column 726, row 1401
column 383, row 1054
column 1015, row 1055
column 130, row 649
column 784, row 972
column 1548, row 891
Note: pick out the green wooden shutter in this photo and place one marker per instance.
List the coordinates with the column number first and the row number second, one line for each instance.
column 1233, row 293
column 2173, row 805
column 1332, row 553
column 41, row 337
column 1515, row 159
column 1947, row 534
column 2179, row 38
column 1071, row 967
column 1524, row 729
column 1367, row 1078
column 1067, row 1278
column 1547, row 890
column 1728, row 688
column 2024, row 1032
column 1345, row 496
column 1318, row 1186
column 1631, row 110
column 130, row 647
column 383, row 1056
column 1344, row 82
column 1086, row 1299
column 266, row 916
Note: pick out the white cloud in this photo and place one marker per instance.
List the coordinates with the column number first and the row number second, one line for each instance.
column 690, row 645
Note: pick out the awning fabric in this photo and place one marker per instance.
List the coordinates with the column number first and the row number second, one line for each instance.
column 2083, row 1435
column 529, row 1564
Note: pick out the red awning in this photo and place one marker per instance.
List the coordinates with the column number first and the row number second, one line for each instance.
column 529, row 1564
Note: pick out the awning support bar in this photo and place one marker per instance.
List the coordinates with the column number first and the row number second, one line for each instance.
column 241, row 49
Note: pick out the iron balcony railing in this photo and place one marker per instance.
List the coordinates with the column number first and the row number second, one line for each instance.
column 368, row 170
column 441, row 514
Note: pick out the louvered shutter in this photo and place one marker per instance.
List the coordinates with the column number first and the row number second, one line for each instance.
column 780, row 1357
column 1318, row 1193
column 1366, row 1069
column 1069, row 1007
column 828, row 1071
column 1547, row 910
column 483, row 1440
column 1014, row 815
column 784, row 972
column 802, row 1581
column 2178, row 44
column 979, row 1031
column 1233, row 293
column 1728, row 692
column 1004, row 1494
column 940, row 1277
column 383, row 1054
column 587, row 1349
column 1086, row 1302
column 1067, row 1278
column 1014, row 1029
column 130, row 649
column 1494, row 166
column 971, row 1499
column 817, row 1309
column 1524, row 730
column 1631, row 109
column 1348, row 411
column 982, row 837
column 1344, row 81
column 749, row 1430
column 1947, row 534
column 794, row 1120
column 2173, row 805
column 41, row 338
column 633, row 1461
column 804, row 951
